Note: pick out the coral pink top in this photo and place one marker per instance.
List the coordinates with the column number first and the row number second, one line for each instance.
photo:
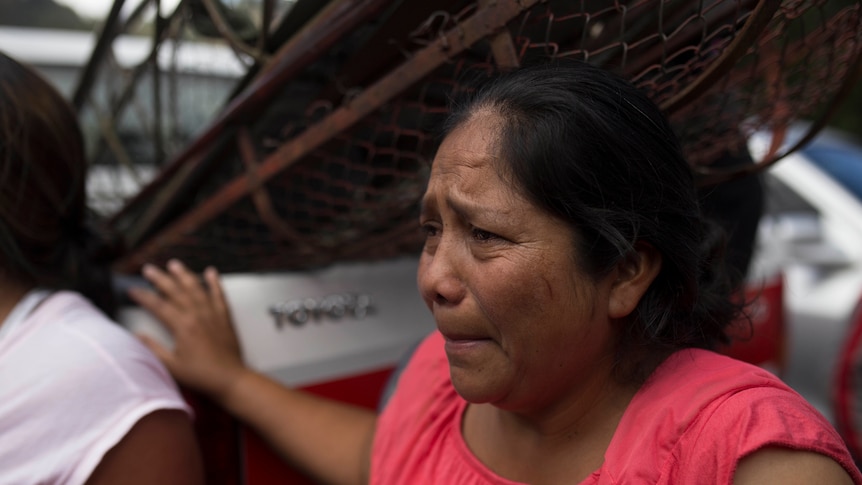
column 691, row 422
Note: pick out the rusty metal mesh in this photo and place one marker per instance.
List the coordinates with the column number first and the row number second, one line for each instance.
column 331, row 166
column 148, row 98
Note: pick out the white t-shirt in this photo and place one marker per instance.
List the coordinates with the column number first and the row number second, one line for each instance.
column 72, row 384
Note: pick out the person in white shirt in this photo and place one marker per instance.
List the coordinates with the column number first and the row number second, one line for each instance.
column 82, row 401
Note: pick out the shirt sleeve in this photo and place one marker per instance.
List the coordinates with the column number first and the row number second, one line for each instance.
column 123, row 383
column 751, row 419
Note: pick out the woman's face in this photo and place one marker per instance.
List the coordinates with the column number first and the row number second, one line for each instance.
column 523, row 324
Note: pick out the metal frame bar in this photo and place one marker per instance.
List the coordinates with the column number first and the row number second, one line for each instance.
column 321, row 33
column 486, row 21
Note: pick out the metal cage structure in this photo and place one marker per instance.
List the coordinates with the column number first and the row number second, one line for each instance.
column 318, row 150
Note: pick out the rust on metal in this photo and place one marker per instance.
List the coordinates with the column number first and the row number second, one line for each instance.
column 502, row 46
column 486, row 21
column 320, row 153
column 757, row 21
column 259, row 194
column 295, row 55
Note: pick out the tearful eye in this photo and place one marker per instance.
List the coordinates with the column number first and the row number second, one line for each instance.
column 482, row 235
column 429, row 229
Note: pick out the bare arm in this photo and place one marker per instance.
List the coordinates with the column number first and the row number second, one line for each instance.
column 328, row 439
column 160, row 448
column 787, row 467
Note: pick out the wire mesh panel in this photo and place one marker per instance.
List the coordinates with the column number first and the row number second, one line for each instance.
column 323, row 155
column 152, row 93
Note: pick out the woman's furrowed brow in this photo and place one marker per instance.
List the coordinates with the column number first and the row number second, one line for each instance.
column 464, row 209
column 427, row 205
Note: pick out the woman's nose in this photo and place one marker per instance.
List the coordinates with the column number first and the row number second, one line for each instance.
column 440, row 275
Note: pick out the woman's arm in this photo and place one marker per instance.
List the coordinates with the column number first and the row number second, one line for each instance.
column 160, row 448
column 783, row 466
column 328, row 439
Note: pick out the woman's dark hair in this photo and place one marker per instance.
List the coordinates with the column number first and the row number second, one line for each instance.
column 591, row 149
column 45, row 239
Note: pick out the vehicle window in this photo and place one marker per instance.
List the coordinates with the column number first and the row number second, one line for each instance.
column 782, row 199
column 842, row 164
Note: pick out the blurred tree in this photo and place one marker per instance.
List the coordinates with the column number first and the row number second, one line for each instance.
column 40, row 13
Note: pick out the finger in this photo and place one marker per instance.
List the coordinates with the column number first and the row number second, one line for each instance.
column 166, row 313
column 191, row 290
column 184, row 276
column 216, row 293
column 161, row 280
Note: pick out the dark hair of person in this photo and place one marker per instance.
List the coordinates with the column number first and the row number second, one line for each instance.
column 589, row 148
column 45, row 239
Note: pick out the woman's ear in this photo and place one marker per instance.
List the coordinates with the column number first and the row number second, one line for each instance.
column 635, row 273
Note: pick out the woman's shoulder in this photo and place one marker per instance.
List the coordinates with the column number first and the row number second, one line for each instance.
column 73, row 384
column 71, row 313
column 691, row 380
column 709, row 409
column 67, row 333
column 703, row 388
column 715, row 370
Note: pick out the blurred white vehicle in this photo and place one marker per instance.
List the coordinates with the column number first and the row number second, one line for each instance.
column 811, row 233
